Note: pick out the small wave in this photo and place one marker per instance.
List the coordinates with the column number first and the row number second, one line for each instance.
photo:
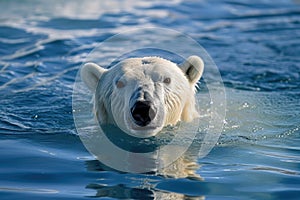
column 16, row 80
column 276, row 170
column 46, row 81
column 28, row 190
column 14, row 41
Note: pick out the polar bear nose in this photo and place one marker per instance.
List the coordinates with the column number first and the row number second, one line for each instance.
column 143, row 112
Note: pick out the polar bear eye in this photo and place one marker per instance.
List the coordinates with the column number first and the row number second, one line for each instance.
column 120, row 84
column 167, row 80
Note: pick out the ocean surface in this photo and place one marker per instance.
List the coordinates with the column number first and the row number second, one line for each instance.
column 254, row 44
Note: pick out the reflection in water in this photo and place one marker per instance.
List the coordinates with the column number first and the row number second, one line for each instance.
column 185, row 167
column 121, row 192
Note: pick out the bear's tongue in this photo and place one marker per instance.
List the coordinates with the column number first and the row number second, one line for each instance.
column 141, row 113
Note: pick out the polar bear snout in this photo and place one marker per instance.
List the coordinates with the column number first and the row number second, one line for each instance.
column 143, row 112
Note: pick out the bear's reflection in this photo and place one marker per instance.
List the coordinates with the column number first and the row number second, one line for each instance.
column 123, row 192
column 184, row 167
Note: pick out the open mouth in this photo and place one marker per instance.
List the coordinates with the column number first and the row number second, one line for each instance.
column 142, row 113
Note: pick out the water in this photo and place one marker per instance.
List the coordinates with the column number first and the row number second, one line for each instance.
column 255, row 44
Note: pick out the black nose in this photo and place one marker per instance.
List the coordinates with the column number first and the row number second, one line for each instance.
column 142, row 112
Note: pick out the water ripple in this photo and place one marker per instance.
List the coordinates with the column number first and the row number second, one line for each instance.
column 255, row 44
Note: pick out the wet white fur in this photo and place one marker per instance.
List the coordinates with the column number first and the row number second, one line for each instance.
column 175, row 101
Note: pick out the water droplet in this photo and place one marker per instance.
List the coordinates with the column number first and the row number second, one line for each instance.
column 256, row 129
column 245, row 105
column 35, row 117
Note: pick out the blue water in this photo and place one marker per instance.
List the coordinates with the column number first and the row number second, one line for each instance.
column 256, row 46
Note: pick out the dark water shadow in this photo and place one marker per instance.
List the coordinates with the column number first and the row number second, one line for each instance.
column 135, row 144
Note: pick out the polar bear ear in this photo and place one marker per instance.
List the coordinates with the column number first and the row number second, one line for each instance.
column 90, row 74
column 193, row 68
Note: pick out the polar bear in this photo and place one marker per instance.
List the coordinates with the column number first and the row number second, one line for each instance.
column 143, row 95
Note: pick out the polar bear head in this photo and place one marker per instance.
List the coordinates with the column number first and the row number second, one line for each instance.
column 142, row 95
